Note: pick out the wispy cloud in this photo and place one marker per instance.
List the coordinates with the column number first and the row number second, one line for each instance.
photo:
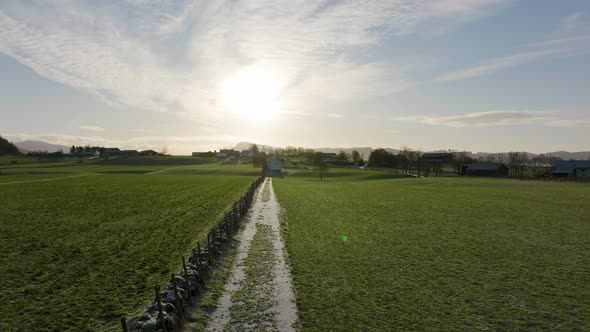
column 569, row 40
column 172, row 56
column 92, row 128
column 497, row 64
column 499, row 118
column 480, row 119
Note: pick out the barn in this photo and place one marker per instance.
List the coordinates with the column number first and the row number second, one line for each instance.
column 487, row 169
column 572, row 168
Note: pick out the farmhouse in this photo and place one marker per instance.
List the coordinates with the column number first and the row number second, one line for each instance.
column 487, row 169
column 571, row 168
column 274, row 167
column 230, row 152
column 274, row 164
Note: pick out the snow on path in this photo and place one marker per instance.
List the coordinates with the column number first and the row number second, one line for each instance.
column 265, row 211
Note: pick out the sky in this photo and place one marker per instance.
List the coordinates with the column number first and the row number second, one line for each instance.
column 476, row 75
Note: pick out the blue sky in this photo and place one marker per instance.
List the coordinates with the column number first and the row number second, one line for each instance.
column 480, row 75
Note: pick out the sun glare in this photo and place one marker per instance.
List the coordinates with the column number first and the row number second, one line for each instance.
column 253, row 92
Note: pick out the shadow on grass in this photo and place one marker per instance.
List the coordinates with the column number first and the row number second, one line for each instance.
column 35, row 173
column 131, row 171
column 215, row 172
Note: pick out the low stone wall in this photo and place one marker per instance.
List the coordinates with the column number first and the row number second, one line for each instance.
column 171, row 302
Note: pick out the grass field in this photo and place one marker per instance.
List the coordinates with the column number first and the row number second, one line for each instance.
column 446, row 254
column 79, row 252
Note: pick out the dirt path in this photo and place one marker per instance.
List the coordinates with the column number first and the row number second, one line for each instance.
column 259, row 294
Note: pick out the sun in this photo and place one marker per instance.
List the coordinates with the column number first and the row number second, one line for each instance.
column 253, row 92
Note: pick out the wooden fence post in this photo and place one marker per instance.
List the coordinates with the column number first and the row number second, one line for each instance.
column 188, row 282
column 176, row 297
column 124, row 324
column 160, row 313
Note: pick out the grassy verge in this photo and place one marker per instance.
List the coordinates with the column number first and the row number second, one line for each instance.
column 437, row 253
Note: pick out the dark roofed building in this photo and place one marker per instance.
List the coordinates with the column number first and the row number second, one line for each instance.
column 129, row 153
column 230, row 152
column 110, row 152
column 329, row 155
column 571, row 168
column 148, row 153
column 487, row 169
column 437, row 157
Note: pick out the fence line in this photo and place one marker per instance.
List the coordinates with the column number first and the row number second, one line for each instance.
column 170, row 306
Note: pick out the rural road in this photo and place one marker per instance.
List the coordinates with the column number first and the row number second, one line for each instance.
column 259, row 294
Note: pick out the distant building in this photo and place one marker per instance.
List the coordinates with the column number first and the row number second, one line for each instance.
column 274, row 164
column 230, row 152
column 571, row 168
column 110, row 152
column 129, row 153
column 148, row 153
column 274, row 167
column 437, row 157
column 487, row 169
column 329, row 155
column 204, row 154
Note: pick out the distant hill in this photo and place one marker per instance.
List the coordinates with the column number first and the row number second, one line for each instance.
column 30, row 145
column 565, row 155
column 583, row 155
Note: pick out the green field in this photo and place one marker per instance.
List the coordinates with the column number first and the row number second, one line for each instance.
column 88, row 243
column 446, row 254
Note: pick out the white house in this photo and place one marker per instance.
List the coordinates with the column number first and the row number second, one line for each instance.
column 274, row 165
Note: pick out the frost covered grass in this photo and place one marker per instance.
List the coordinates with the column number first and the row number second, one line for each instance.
column 78, row 253
column 449, row 254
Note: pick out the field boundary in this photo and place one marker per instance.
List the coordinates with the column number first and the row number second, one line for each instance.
column 171, row 306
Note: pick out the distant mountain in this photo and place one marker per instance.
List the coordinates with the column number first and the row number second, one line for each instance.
column 565, row 155
column 582, row 155
column 30, row 145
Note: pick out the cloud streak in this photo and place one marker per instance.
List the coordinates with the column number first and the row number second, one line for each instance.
column 172, row 56
column 571, row 41
column 92, row 128
column 499, row 118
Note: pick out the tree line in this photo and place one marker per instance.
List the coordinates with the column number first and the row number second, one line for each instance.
column 87, row 148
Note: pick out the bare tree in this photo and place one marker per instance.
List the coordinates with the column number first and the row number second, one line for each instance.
column 517, row 162
column 356, row 156
column 321, row 163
